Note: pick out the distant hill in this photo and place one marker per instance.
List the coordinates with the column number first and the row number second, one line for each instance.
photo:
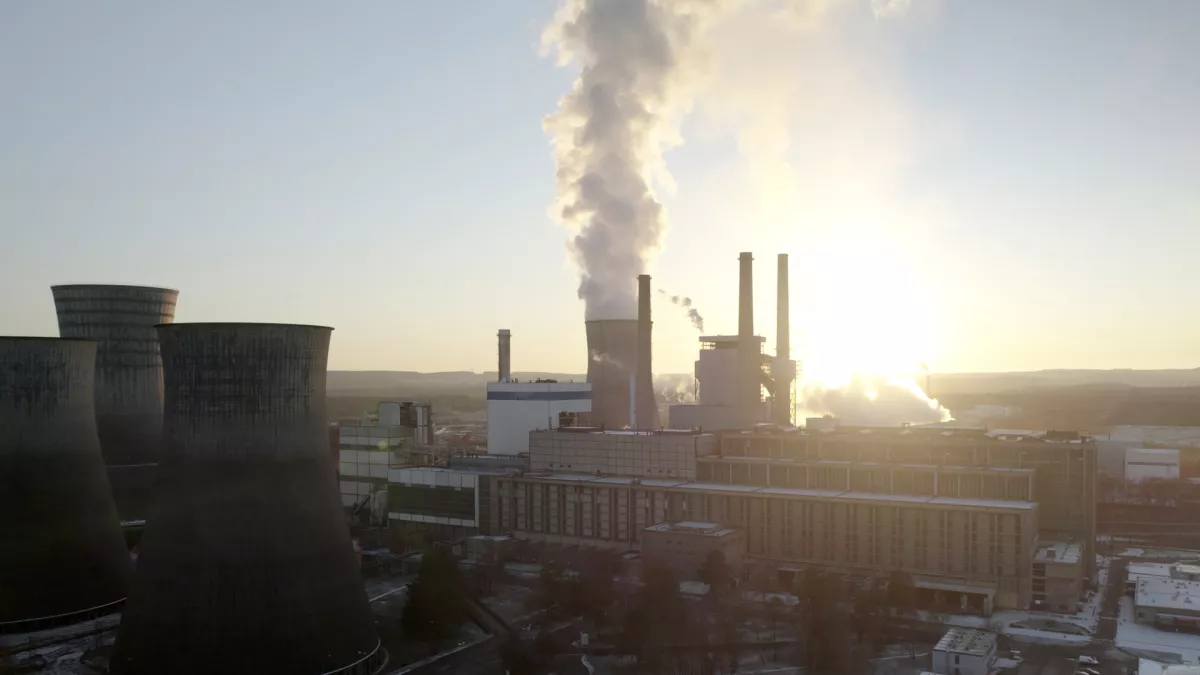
column 982, row 383
column 385, row 381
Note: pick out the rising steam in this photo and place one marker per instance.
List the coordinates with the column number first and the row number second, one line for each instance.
column 872, row 400
column 636, row 59
column 685, row 303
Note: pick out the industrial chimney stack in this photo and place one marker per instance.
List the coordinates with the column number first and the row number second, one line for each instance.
column 784, row 370
column 505, row 368
column 63, row 558
column 647, row 408
column 749, row 380
column 246, row 565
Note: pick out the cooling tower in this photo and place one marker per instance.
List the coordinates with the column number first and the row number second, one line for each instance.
column 612, row 362
column 246, row 565
column 129, row 385
column 63, row 557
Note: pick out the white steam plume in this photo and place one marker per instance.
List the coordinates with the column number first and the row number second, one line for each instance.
column 872, row 400
column 685, row 303
column 637, row 59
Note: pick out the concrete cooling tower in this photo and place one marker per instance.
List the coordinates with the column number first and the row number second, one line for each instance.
column 129, row 385
column 612, row 363
column 246, row 565
column 63, row 557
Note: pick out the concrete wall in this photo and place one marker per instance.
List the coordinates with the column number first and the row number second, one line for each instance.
column 515, row 409
column 684, row 552
column 1151, row 463
column 620, row 453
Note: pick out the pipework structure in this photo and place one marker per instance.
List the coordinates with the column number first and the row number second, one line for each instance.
column 246, row 564
column 63, row 559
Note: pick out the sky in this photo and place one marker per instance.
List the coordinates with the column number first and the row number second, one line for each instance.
column 981, row 185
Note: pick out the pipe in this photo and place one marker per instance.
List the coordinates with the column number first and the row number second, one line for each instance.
column 505, row 367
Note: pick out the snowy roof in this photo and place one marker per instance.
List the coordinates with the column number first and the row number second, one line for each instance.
column 1137, row 570
column 1057, row 552
column 692, row 527
column 1168, row 593
column 967, row 641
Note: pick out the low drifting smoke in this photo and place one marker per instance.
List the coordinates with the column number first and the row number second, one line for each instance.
column 870, row 400
column 673, row 389
column 638, row 60
column 685, row 303
column 601, row 357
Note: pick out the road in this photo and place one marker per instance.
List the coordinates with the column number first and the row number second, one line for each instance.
column 1047, row 660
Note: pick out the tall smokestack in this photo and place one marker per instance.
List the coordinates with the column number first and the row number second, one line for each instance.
column 63, row 559
column 748, row 349
column 784, row 370
column 246, row 565
column 647, row 408
column 505, row 368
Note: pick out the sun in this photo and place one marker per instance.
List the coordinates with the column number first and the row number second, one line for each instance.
column 867, row 314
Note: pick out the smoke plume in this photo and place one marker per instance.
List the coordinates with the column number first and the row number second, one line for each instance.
column 637, row 60
column 869, row 400
column 685, row 303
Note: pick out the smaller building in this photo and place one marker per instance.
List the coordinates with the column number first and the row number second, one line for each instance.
column 684, row 546
column 1057, row 576
column 1167, row 603
column 964, row 651
column 664, row 453
column 516, row 408
column 1151, row 463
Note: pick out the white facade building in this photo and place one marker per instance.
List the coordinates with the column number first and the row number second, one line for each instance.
column 964, row 651
column 516, row 408
column 1146, row 463
column 716, row 372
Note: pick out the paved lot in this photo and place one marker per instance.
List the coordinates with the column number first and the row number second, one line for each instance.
column 1045, row 660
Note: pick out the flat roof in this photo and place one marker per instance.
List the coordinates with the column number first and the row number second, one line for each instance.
column 1168, row 593
column 786, row 492
column 1057, row 552
column 967, row 641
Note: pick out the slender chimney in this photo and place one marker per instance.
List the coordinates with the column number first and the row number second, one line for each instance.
column 784, row 371
column 647, row 409
column 505, row 369
column 748, row 351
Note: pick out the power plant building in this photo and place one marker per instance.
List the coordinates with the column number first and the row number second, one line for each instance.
column 514, row 409
column 366, row 450
column 63, row 559
column 246, row 565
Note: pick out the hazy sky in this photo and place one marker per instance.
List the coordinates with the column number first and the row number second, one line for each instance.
column 985, row 184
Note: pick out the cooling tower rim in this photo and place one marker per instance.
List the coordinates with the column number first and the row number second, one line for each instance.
column 238, row 324
column 611, row 321
column 45, row 340
column 161, row 289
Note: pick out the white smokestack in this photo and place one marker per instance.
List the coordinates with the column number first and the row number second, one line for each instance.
column 610, row 130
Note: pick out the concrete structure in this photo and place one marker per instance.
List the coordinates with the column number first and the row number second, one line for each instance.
column 63, row 558
column 964, row 651
column 246, row 564
column 717, row 373
column 365, row 451
column 783, row 368
column 1151, row 463
column 646, row 406
column 504, row 361
column 749, row 379
column 612, row 363
column 657, row 454
column 446, row 503
column 1056, row 470
column 516, row 408
column 968, row 554
column 684, row 546
column 128, row 385
column 1168, row 603
column 1057, row 576
column 1111, row 449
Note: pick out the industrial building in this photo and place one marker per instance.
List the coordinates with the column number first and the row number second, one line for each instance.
column 1165, row 595
column 964, row 651
column 246, row 565
column 63, row 559
column 1058, row 574
column 586, row 450
column 1113, row 447
column 128, row 384
column 732, row 372
column 1151, row 464
column 684, row 546
column 620, row 368
column 367, row 449
column 516, row 408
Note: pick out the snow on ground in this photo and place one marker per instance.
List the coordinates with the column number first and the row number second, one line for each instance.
column 1143, row 639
